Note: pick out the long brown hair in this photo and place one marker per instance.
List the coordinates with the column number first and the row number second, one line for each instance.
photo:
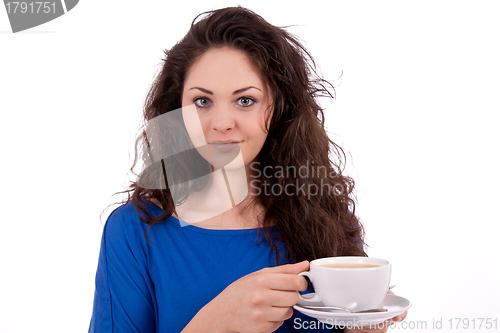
column 299, row 169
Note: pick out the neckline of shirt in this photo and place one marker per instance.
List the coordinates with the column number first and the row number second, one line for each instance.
column 220, row 232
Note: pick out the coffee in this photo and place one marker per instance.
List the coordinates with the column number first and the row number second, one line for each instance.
column 349, row 265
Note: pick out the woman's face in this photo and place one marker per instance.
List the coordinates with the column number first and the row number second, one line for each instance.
column 231, row 100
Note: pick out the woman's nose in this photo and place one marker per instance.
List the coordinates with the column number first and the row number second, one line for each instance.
column 222, row 118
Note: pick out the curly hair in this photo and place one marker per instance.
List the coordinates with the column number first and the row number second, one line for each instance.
column 312, row 225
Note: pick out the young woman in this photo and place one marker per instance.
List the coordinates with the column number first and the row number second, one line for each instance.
column 241, row 188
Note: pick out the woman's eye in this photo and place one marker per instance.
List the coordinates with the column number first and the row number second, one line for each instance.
column 202, row 102
column 246, row 101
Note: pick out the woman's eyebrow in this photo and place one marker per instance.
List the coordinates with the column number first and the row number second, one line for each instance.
column 234, row 93
column 204, row 90
column 244, row 89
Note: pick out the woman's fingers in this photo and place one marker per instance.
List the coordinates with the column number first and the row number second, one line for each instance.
column 279, row 298
column 399, row 318
column 280, row 313
column 262, row 300
column 287, row 282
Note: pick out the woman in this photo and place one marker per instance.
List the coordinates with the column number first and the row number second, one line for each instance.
column 234, row 145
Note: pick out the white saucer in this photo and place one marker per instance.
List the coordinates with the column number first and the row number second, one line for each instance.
column 395, row 306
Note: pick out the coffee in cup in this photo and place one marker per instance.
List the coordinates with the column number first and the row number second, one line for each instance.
column 355, row 283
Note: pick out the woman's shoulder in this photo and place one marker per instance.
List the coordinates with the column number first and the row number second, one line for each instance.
column 127, row 217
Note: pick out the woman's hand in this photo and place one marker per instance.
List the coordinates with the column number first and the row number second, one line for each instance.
column 260, row 301
column 382, row 328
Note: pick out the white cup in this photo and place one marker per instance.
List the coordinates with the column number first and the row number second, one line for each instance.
column 356, row 289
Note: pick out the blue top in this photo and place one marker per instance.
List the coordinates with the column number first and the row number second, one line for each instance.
column 159, row 287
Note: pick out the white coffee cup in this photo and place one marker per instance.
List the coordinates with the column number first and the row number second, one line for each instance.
column 356, row 288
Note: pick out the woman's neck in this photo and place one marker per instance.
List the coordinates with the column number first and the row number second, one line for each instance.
column 224, row 203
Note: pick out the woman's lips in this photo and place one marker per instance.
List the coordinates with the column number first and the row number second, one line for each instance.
column 223, row 146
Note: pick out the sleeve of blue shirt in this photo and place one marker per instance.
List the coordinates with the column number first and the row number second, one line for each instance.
column 122, row 300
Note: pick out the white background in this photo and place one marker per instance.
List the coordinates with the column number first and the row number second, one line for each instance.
column 417, row 110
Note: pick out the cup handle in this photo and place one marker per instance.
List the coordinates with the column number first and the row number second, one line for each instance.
column 307, row 300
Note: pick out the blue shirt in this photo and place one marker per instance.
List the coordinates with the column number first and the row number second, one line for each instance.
column 160, row 286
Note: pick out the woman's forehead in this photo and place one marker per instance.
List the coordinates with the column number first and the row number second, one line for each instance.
column 224, row 68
